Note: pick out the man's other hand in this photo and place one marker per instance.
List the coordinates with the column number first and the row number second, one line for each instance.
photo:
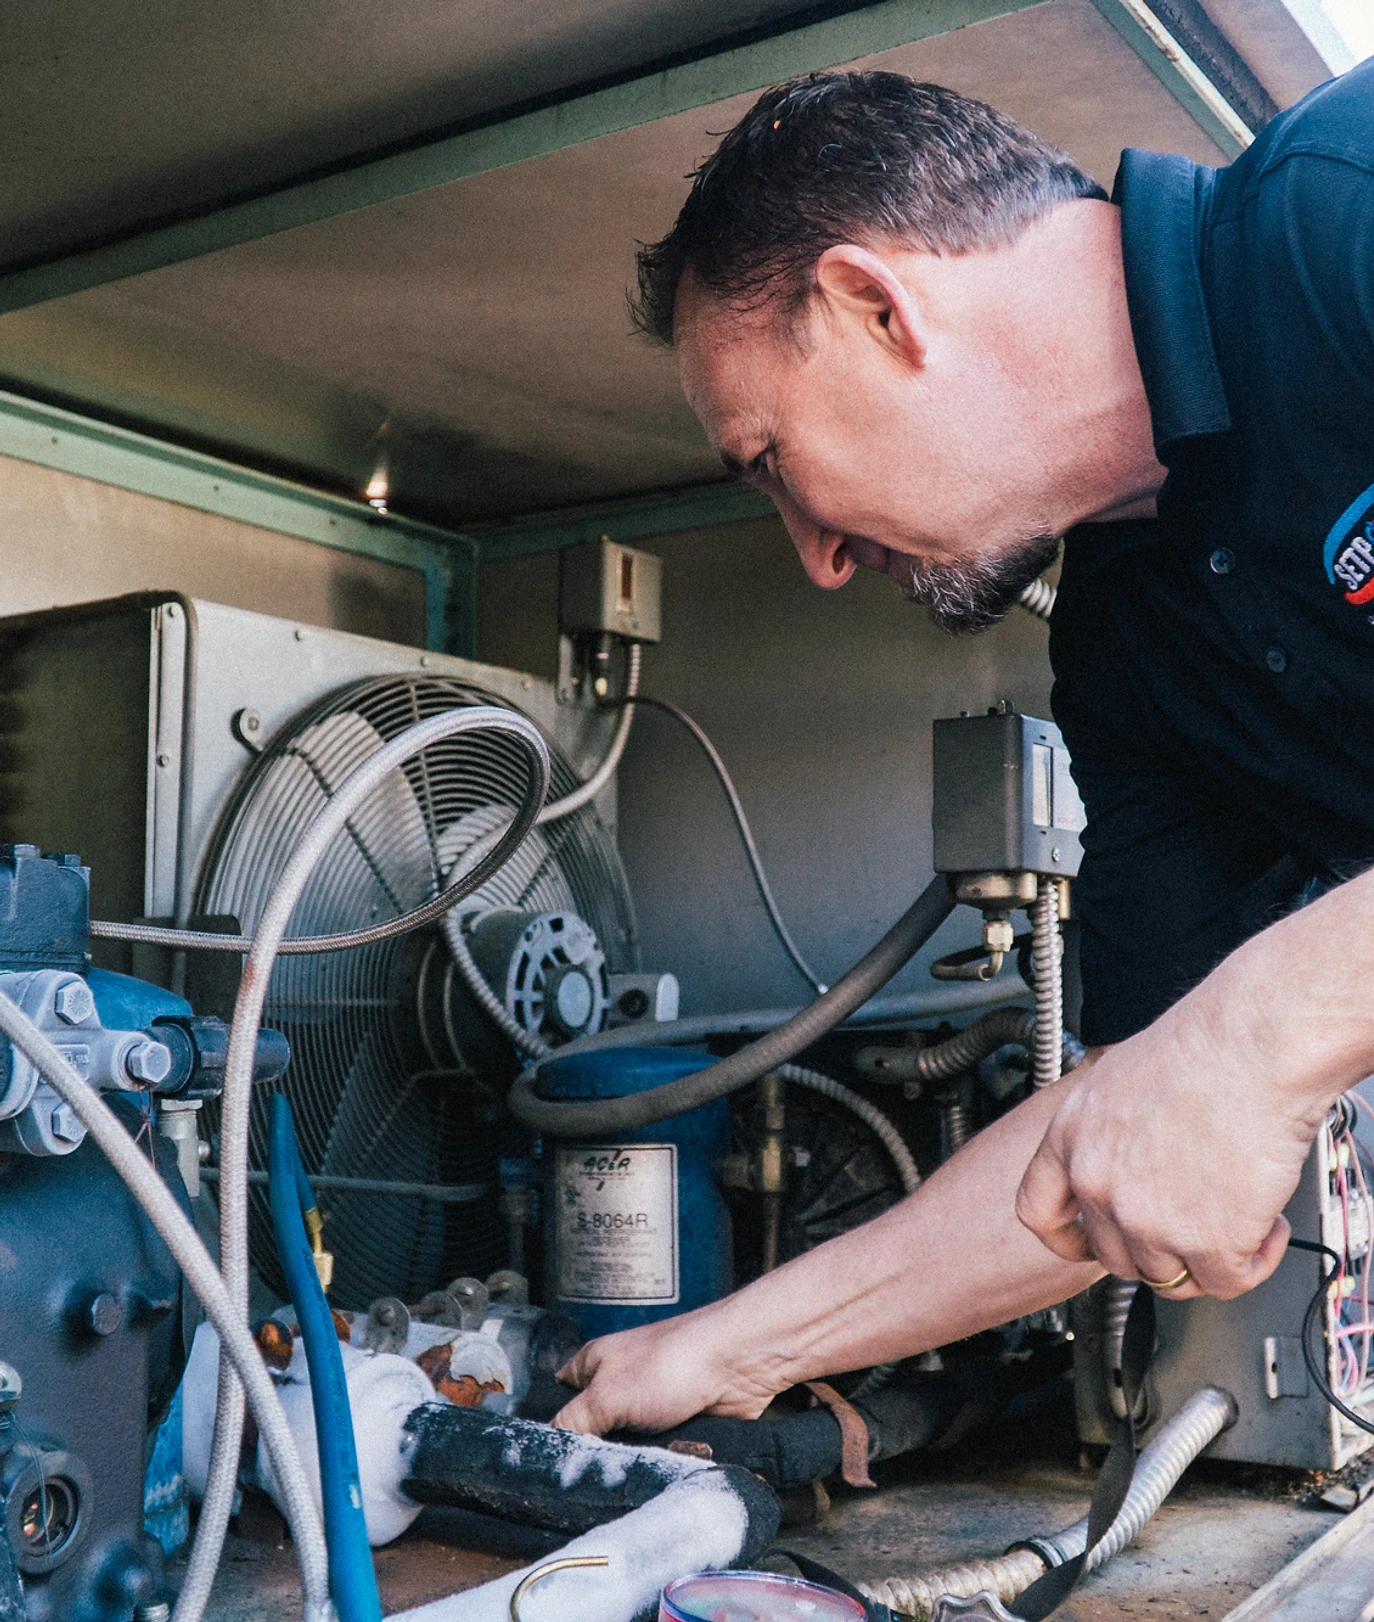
column 659, row 1375
column 1168, row 1154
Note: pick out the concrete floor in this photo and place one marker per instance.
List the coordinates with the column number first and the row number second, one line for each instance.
column 1223, row 1535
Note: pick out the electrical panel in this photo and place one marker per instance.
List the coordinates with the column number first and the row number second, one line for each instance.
column 1252, row 1346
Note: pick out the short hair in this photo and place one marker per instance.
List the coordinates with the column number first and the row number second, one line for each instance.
column 848, row 157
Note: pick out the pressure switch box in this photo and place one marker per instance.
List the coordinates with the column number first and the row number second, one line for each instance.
column 1004, row 797
column 606, row 588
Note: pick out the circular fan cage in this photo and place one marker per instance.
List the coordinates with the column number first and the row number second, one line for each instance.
column 395, row 1073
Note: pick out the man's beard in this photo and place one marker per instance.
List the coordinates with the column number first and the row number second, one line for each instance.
column 976, row 592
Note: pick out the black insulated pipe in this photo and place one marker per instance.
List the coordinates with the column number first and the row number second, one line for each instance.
column 617, row 1115
column 561, row 1481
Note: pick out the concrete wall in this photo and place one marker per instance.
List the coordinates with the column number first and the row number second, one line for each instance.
column 65, row 539
column 821, row 704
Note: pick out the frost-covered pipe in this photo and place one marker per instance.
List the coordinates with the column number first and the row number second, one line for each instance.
column 1178, row 1442
column 684, row 1514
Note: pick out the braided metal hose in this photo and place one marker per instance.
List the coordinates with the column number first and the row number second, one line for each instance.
column 1006, row 1576
column 958, row 1053
column 1047, row 955
column 1178, row 1442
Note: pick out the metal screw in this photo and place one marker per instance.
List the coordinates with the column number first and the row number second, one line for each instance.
column 1055, row 854
column 164, row 759
column 148, row 1062
column 105, row 1315
column 66, row 1124
column 73, row 1002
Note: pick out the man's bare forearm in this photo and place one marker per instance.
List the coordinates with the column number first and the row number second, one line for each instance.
column 948, row 1261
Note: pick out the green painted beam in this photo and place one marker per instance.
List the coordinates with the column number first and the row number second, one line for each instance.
column 55, row 438
column 700, row 507
column 567, row 123
column 1178, row 73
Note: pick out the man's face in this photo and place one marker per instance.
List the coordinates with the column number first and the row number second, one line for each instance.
column 926, row 473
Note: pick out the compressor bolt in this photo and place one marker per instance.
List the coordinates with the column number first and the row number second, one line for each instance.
column 148, row 1062
column 73, row 1002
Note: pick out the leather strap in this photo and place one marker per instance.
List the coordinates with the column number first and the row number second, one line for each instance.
column 1048, row 1593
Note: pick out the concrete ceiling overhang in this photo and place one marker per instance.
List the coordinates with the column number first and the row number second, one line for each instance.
column 471, row 336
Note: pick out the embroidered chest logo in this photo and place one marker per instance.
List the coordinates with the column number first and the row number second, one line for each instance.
column 1349, row 554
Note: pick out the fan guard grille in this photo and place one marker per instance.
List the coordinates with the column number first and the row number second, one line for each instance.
column 367, row 1099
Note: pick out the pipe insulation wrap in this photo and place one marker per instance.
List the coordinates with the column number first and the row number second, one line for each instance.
column 332, row 818
column 1174, row 1447
column 617, row 1115
column 699, row 1524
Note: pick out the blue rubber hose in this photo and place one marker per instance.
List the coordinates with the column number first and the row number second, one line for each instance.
column 352, row 1580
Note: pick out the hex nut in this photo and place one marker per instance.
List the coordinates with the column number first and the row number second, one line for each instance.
column 73, row 1002
column 66, row 1124
column 148, row 1062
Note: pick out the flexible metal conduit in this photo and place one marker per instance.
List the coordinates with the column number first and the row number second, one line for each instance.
column 238, row 1074
column 958, row 1053
column 872, row 1117
column 1047, row 956
column 616, row 1115
column 589, row 790
column 1179, row 1441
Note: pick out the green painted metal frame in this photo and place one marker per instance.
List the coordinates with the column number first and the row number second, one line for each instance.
column 698, row 507
column 678, row 89
column 579, row 118
column 45, row 434
column 1178, row 73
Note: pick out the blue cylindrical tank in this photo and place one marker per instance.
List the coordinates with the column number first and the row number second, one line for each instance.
column 635, row 1227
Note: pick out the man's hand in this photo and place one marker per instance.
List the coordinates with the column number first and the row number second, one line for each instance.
column 659, row 1375
column 1167, row 1154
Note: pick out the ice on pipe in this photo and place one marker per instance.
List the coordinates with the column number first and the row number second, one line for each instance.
column 699, row 1523
column 383, row 1391
column 571, row 1455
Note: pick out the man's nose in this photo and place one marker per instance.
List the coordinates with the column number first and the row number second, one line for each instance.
column 823, row 553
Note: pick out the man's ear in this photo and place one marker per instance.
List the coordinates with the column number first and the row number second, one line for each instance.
column 859, row 285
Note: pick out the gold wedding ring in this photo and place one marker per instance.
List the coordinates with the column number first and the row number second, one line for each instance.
column 1159, row 1286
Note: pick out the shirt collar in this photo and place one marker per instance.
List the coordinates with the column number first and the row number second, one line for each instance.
column 1164, row 201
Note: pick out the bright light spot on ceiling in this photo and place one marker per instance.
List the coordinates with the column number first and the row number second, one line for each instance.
column 1353, row 20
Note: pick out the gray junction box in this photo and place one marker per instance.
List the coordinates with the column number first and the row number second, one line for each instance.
column 1005, row 800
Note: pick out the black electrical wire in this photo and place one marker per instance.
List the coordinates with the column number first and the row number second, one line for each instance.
column 1314, row 1369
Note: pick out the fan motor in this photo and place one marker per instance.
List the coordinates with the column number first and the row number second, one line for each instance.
column 547, row 968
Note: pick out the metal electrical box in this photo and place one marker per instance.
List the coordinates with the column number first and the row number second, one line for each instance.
column 612, row 589
column 1004, row 797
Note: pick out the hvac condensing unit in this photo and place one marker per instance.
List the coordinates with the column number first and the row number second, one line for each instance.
column 183, row 746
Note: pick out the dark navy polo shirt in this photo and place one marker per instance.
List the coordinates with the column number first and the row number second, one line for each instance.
column 1214, row 668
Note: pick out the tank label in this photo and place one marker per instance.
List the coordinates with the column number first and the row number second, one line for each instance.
column 617, row 1223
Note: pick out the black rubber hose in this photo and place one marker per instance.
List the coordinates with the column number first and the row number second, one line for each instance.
column 594, row 1117
column 795, row 1449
